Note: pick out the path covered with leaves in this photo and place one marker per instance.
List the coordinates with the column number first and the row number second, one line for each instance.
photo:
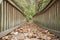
column 30, row 31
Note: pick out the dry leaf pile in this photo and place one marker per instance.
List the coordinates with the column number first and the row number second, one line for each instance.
column 30, row 31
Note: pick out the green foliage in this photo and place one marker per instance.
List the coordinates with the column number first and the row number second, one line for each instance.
column 31, row 7
column 41, row 4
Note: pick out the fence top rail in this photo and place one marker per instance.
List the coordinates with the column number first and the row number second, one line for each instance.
column 47, row 7
column 14, row 5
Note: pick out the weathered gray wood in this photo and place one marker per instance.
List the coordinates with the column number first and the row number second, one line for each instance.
column 50, row 18
column 10, row 18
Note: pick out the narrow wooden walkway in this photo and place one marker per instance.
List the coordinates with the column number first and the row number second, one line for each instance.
column 30, row 31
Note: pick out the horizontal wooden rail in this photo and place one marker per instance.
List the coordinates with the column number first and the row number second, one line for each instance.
column 14, row 5
column 46, row 8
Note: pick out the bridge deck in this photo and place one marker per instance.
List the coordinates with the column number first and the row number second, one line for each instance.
column 30, row 31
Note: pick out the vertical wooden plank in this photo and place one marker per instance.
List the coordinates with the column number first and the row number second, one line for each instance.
column 58, row 15
column 13, row 15
column 7, row 22
column 2, row 17
column 8, row 16
column 19, row 16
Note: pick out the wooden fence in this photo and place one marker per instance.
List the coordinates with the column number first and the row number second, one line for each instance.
column 49, row 18
column 10, row 17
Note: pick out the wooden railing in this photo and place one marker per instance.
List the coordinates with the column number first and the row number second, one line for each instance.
column 50, row 17
column 47, row 7
column 11, row 16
